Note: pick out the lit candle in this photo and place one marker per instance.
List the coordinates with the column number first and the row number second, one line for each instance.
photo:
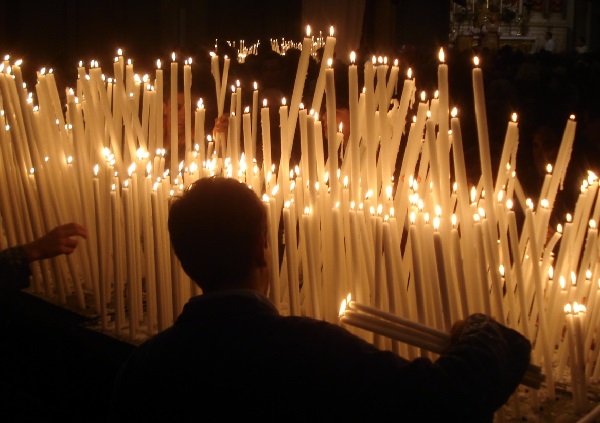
column 199, row 133
column 174, row 124
column 354, row 138
column 482, row 134
column 187, row 101
column 320, row 84
column 332, row 158
column 248, row 148
column 254, row 115
column 301, row 72
column 265, row 121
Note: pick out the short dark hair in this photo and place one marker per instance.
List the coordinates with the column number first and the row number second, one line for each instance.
column 214, row 227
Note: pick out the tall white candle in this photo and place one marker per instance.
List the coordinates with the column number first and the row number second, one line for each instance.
column 174, row 123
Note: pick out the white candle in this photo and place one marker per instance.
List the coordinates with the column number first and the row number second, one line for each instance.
column 265, row 121
column 254, row 116
column 483, row 136
column 320, row 85
column 174, row 123
column 354, row 137
column 187, row 101
column 332, row 158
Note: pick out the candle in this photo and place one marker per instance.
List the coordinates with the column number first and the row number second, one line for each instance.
column 312, row 277
column 187, row 86
column 545, row 345
column 354, row 137
column 117, row 258
column 248, row 148
column 199, row 133
column 174, row 116
column 443, row 146
column 332, row 158
column 416, row 268
column 290, row 251
column 301, row 72
column 266, row 136
column 446, row 295
column 482, row 134
column 320, row 84
column 254, row 115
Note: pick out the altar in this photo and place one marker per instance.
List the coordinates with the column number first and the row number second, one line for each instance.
column 467, row 42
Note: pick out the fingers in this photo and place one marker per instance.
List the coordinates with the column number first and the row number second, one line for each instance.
column 69, row 245
column 71, row 229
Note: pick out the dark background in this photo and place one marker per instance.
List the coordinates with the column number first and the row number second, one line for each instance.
column 60, row 33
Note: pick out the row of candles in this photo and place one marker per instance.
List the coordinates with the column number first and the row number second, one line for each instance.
column 280, row 46
column 403, row 246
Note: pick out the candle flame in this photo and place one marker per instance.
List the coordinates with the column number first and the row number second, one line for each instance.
column 454, row 112
column 476, row 61
column 473, row 194
column 352, row 57
column 592, row 224
column 441, row 55
column 255, row 86
column 342, row 307
column 454, row 220
column 308, row 30
column 567, row 308
column 514, row 117
column 247, row 109
column 423, row 96
column 562, row 283
column 158, row 64
column 396, row 62
column 173, row 56
column 264, row 102
column 569, row 217
column 331, row 31
column 329, row 62
column 436, row 223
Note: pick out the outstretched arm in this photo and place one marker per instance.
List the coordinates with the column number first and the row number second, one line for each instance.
column 14, row 261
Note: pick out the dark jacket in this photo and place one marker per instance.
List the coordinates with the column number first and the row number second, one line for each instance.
column 14, row 269
column 231, row 356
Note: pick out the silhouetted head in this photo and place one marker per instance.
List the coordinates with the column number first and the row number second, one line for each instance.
column 218, row 231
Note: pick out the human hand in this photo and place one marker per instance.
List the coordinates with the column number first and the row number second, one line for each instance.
column 221, row 125
column 59, row 240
